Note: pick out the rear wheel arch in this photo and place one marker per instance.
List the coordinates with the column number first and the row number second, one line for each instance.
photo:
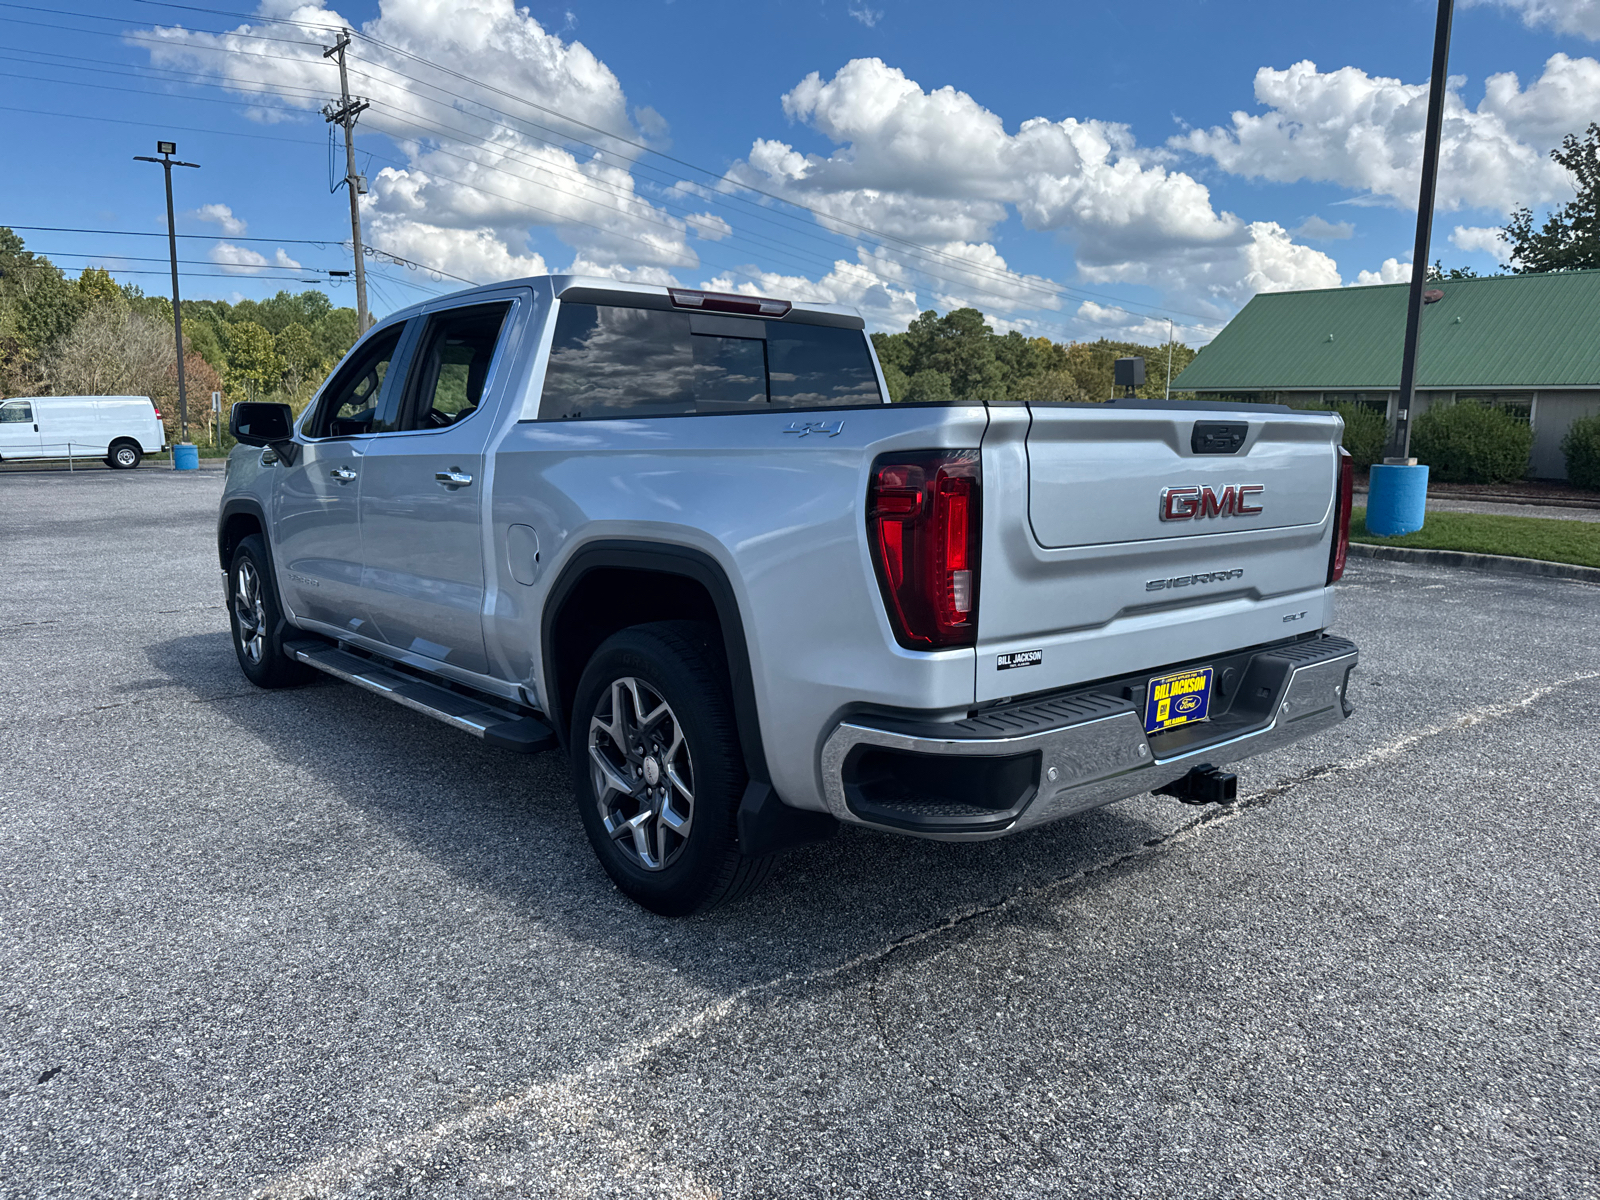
column 611, row 585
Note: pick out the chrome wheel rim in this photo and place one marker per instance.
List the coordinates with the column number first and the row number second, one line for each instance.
column 249, row 613
column 642, row 774
column 125, row 456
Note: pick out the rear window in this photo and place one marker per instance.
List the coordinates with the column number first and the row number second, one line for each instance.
column 609, row 361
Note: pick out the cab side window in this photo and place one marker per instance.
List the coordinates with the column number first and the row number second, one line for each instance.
column 17, row 411
column 355, row 400
column 451, row 365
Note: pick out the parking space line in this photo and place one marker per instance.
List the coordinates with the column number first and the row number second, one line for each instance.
column 571, row 1099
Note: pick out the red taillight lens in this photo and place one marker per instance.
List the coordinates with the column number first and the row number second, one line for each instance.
column 1341, row 518
column 923, row 525
column 158, row 414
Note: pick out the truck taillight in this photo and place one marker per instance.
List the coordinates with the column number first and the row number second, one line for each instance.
column 923, row 525
column 158, row 413
column 1341, row 517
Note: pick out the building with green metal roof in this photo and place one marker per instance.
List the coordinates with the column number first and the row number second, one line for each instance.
column 1527, row 343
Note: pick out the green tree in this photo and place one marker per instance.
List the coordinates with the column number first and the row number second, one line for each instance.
column 1570, row 237
column 930, row 387
column 896, row 379
column 254, row 366
column 336, row 333
column 301, row 359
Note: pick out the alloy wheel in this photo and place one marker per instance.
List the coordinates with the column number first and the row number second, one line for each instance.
column 250, row 611
column 642, row 773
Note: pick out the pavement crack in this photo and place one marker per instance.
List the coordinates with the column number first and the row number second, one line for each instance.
column 567, row 1098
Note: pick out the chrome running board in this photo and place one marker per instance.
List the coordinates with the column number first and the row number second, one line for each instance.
column 476, row 714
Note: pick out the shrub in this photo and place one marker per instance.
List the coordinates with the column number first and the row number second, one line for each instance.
column 1582, row 449
column 1366, row 433
column 1472, row 443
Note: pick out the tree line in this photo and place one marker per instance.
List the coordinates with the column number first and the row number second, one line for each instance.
column 91, row 336
column 958, row 357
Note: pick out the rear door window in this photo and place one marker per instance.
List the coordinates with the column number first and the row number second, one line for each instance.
column 451, row 365
column 612, row 361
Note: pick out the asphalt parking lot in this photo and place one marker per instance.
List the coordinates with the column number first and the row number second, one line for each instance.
column 308, row 943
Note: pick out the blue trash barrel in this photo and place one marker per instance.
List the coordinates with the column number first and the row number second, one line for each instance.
column 1397, row 499
column 186, row 457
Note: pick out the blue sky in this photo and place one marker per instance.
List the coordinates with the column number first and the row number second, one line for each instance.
column 1074, row 170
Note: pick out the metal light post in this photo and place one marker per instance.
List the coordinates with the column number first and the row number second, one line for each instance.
column 1398, row 488
column 167, row 150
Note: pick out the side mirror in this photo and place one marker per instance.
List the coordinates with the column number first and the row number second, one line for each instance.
column 257, row 423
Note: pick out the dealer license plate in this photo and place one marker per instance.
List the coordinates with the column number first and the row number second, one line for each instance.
column 1180, row 699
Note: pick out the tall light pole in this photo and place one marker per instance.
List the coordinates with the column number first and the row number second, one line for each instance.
column 1397, row 488
column 167, row 150
column 1400, row 445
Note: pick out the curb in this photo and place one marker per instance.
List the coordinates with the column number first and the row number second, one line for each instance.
column 1521, row 501
column 1500, row 564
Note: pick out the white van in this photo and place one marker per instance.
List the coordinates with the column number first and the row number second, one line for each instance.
column 119, row 429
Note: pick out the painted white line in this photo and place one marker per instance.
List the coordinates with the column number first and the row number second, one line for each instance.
column 572, row 1101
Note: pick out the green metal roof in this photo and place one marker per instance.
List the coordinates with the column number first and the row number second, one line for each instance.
column 1523, row 331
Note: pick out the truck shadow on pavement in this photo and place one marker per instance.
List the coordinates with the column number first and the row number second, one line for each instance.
column 505, row 824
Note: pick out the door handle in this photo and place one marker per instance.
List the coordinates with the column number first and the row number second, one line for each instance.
column 454, row 478
column 342, row 474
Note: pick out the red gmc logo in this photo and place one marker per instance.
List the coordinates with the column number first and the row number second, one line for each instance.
column 1191, row 503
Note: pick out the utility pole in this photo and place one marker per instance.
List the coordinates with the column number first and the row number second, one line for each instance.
column 1169, row 359
column 167, row 150
column 1400, row 445
column 345, row 114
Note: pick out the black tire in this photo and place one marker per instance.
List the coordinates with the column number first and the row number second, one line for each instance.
column 124, row 456
column 681, row 665
column 257, row 620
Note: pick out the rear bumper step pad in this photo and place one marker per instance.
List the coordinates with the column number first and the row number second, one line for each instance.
column 476, row 715
column 1021, row 765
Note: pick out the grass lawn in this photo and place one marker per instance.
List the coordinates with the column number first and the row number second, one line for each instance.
column 1477, row 533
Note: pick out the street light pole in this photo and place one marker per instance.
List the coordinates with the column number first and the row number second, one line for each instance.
column 167, row 150
column 1400, row 445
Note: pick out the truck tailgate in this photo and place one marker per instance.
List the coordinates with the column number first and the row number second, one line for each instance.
column 1136, row 544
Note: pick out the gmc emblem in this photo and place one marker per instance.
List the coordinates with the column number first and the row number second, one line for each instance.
column 1192, row 503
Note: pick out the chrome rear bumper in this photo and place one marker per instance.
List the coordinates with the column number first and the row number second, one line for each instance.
column 1091, row 750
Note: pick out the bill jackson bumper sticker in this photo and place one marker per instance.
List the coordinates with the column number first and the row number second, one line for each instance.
column 1021, row 658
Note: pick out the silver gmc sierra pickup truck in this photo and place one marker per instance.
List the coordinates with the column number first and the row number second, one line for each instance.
column 686, row 536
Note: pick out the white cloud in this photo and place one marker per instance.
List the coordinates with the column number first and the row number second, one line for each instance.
column 1315, row 229
column 1581, row 17
column 1120, row 325
column 480, row 255
column 867, row 16
column 937, row 167
column 1392, row 271
column 464, row 169
column 1365, row 132
column 882, row 304
column 241, row 260
column 221, row 214
column 1481, row 239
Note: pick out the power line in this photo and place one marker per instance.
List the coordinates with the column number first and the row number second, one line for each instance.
column 973, row 274
column 202, row 262
column 323, row 243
